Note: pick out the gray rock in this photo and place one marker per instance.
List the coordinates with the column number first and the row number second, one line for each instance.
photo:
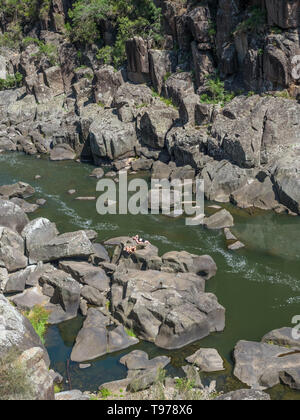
column 97, row 173
column 66, row 294
column 110, row 138
column 185, row 262
column 236, row 246
column 244, row 395
column 93, row 296
column 25, row 206
column 74, row 395
column 208, row 360
column 11, row 250
column 139, row 360
column 258, row 364
column 68, row 245
column 12, row 216
column 36, row 233
column 17, row 331
column 139, row 300
column 94, row 339
column 86, row 274
column 282, row 337
column 19, row 190
column 220, row 220
column 29, row 299
column 17, row 281
column 291, row 377
column 192, row 374
column 100, row 254
column 62, row 152
column 3, row 279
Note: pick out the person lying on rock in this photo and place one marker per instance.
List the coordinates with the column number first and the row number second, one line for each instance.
column 140, row 241
column 130, row 249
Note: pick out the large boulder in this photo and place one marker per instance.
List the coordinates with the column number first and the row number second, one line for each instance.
column 168, row 309
column 184, row 262
column 162, row 63
column 36, row 233
column 221, row 179
column 107, row 82
column 110, row 138
column 12, row 250
column 220, row 220
column 67, row 245
column 86, row 274
column 286, row 174
column 138, row 360
column 208, row 360
column 12, row 216
column 95, row 338
column 20, row 190
column 16, row 331
column 65, row 296
column 259, row 364
column 155, row 124
column 274, row 128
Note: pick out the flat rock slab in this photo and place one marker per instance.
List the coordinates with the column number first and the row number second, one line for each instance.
column 236, row 246
column 86, row 274
column 68, row 245
column 99, row 337
column 208, row 360
column 282, row 337
column 74, row 395
column 29, row 299
column 62, row 152
column 259, row 364
column 245, row 395
column 139, row 360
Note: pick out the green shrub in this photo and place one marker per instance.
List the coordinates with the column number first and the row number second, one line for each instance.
column 38, row 317
column 130, row 333
column 11, row 82
column 128, row 17
column 217, row 93
column 47, row 50
column 257, row 18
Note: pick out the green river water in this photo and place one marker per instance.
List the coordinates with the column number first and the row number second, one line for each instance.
column 259, row 286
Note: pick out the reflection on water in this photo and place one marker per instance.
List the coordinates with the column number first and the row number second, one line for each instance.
column 259, row 285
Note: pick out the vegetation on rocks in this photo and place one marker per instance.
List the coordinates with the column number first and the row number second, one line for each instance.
column 11, row 82
column 38, row 317
column 128, row 18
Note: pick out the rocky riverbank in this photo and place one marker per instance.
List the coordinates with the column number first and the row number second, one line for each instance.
column 124, row 298
column 151, row 114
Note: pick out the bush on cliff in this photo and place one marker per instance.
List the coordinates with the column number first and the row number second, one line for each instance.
column 128, row 18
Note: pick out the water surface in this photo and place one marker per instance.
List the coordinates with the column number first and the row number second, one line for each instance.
column 259, row 286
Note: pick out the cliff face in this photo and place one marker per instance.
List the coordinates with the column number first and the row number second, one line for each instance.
column 212, row 86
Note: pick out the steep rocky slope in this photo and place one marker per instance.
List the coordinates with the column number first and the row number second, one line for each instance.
column 171, row 100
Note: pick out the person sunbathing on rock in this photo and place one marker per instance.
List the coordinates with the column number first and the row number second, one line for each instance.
column 130, row 249
column 140, row 241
